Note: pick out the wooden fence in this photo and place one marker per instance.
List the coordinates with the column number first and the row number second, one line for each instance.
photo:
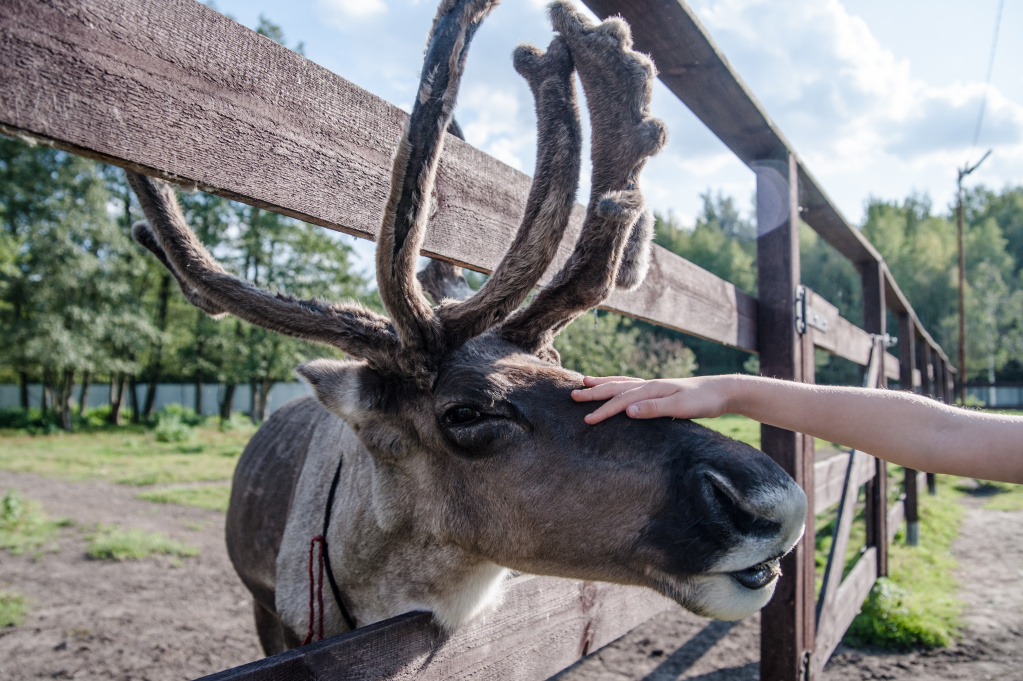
column 174, row 89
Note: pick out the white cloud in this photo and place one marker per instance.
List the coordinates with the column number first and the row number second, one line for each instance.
column 857, row 114
column 341, row 12
column 496, row 121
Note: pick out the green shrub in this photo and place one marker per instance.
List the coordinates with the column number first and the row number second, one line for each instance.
column 237, row 422
column 118, row 544
column 171, row 427
column 12, row 509
column 15, row 418
column 890, row 619
column 917, row 606
column 96, row 418
column 34, row 421
column 186, row 415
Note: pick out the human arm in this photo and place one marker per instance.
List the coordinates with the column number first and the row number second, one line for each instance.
column 900, row 427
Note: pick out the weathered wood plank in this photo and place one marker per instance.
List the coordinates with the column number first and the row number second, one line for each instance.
column 840, row 541
column 829, row 479
column 847, row 604
column 926, row 370
column 544, row 625
column 843, row 338
column 173, row 88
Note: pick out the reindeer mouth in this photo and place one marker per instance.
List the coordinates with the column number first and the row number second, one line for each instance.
column 760, row 575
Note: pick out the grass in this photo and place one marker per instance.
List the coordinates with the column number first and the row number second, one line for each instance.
column 747, row 430
column 23, row 525
column 130, row 455
column 113, row 543
column 213, row 497
column 12, row 609
column 916, row 605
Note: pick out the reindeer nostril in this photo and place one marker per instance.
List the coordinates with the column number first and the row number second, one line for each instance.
column 736, row 510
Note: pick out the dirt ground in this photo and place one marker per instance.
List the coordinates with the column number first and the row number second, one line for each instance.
column 153, row 620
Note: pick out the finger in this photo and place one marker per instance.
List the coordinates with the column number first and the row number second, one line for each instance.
column 623, row 399
column 649, row 409
column 603, row 391
column 590, row 381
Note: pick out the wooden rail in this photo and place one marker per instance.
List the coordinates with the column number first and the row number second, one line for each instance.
column 544, row 625
column 182, row 95
column 177, row 90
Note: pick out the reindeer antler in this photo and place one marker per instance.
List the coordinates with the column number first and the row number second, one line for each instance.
column 550, row 201
column 618, row 84
column 206, row 284
column 412, row 180
column 611, row 248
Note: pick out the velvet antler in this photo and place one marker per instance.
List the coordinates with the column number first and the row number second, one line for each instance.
column 615, row 235
column 550, row 201
column 412, row 181
column 350, row 327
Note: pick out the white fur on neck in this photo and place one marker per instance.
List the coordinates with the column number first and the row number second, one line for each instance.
column 481, row 590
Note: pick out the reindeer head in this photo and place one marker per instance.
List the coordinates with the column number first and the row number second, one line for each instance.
column 464, row 406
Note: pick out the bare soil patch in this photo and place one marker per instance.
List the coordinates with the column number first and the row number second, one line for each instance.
column 151, row 620
column 156, row 618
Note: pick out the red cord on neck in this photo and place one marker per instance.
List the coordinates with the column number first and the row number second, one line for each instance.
column 315, row 590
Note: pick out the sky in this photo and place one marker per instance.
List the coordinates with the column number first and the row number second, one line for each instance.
column 878, row 98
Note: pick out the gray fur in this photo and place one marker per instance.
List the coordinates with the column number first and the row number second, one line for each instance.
column 462, row 454
column 443, row 281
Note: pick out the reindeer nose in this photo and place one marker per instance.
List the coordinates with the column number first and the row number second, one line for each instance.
column 745, row 511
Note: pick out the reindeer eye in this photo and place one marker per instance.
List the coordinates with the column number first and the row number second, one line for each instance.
column 460, row 416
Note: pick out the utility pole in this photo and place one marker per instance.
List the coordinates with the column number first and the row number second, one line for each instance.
column 963, row 172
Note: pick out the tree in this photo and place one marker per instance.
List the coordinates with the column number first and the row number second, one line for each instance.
column 608, row 344
column 293, row 257
column 721, row 241
column 66, row 299
column 204, row 346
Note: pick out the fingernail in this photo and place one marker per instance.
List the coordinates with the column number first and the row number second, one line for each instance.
column 632, row 410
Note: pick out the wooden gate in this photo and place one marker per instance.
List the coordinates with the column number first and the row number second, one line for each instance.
column 176, row 90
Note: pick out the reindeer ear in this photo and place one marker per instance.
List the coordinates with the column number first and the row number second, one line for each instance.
column 337, row 385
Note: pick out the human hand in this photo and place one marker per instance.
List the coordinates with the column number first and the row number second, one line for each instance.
column 686, row 398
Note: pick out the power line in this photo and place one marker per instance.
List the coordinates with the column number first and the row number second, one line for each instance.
column 990, row 68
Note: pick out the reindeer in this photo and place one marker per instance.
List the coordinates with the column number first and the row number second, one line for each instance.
column 447, row 451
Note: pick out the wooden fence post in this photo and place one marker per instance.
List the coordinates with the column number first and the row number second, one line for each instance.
column 940, row 391
column 950, row 391
column 926, row 369
column 874, row 321
column 907, row 364
column 787, row 628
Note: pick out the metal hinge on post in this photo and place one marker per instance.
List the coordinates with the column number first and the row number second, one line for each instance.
column 887, row 340
column 806, row 316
